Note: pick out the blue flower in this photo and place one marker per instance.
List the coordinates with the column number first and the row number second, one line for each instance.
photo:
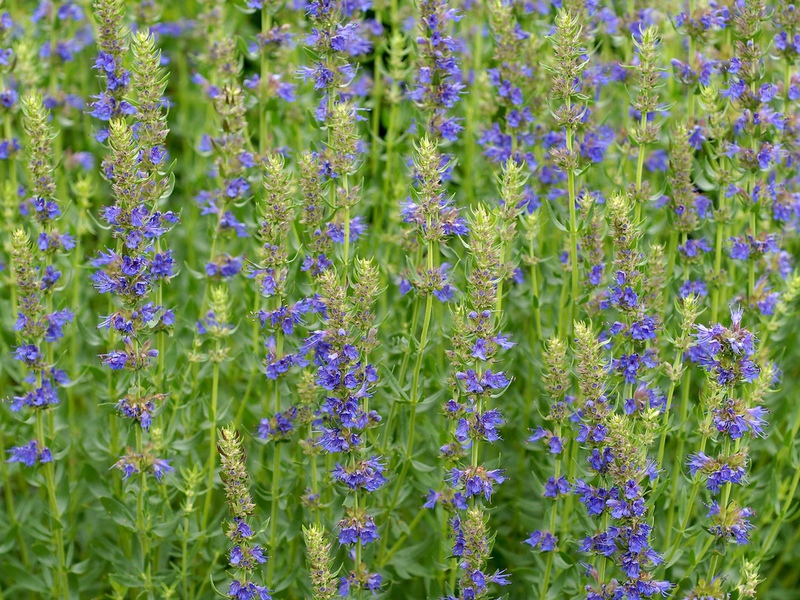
column 29, row 454
column 544, row 540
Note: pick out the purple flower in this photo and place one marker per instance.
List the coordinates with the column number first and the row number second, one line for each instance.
column 29, row 454
column 544, row 540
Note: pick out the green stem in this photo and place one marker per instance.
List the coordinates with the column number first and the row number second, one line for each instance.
column 401, row 540
column 212, row 444
column 640, row 171
column 672, row 250
column 273, row 523
column 415, row 391
column 401, row 375
column 276, row 476
column 573, row 235
column 141, row 517
column 414, row 401
column 262, row 109
column 718, row 261
column 676, row 474
column 665, row 425
column 692, row 497
column 537, row 313
column 471, row 112
column 60, row 585
column 185, row 556
column 553, row 519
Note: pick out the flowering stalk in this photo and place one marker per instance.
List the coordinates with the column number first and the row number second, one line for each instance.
column 646, row 105
column 111, row 103
column 38, row 324
column 567, row 66
column 319, row 561
column 216, row 325
column 511, row 183
column 277, row 216
column 244, row 556
column 557, row 383
column 476, row 343
column 149, row 83
column 38, row 327
column 437, row 86
column 129, row 274
column 727, row 355
column 341, row 354
column 434, row 220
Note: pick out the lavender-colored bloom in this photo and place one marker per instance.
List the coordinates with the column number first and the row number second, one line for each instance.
column 543, row 540
column 367, row 474
column 244, row 590
column 30, row 454
column 718, row 472
column 556, row 487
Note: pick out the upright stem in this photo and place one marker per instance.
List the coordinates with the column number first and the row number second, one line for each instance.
column 141, row 518
column 276, row 477
column 273, row 521
column 60, row 585
column 212, row 443
column 537, row 314
column 415, row 393
column 573, row 232
column 693, row 496
column 672, row 250
column 662, row 444
column 720, row 235
column 726, row 495
column 553, row 518
column 678, row 461
column 787, row 505
column 262, row 109
column 640, row 171
column 423, row 342
column 471, row 112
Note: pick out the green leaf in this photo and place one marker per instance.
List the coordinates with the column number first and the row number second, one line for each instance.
column 554, row 218
column 120, row 513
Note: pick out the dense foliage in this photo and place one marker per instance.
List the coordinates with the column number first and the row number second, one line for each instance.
column 435, row 299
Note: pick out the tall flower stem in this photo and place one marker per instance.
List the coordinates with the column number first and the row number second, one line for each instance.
column 471, row 113
column 276, row 476
column 553, row 518
column 266, row 23
column 402, row 373
column 726, row 495
column 141, row 517
column 640, row 171
column 61, row 587
column 415, row 394
column 718, row 243
column 212, row 444
column 423, row 340
column 573, row 230
column 415, row 387
column 692, row 497
column 670, row 393
column 537, row 313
